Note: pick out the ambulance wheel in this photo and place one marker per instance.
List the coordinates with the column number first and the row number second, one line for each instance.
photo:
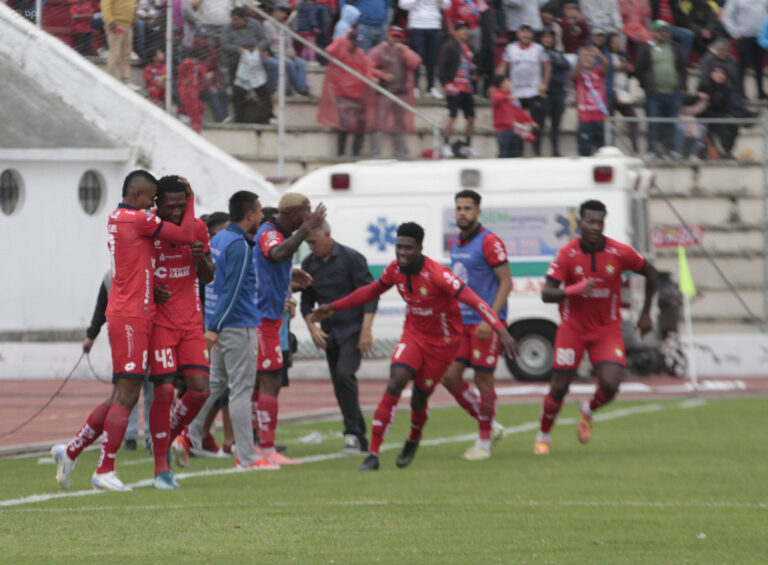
column 535, row 340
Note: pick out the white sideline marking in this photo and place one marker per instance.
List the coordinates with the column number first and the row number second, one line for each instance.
column 521, row 428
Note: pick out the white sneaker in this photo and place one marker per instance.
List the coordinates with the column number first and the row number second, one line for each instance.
column 448, row 151
column 497, row 433
column 64, row 465
column 435, row 93
column 108, row 481
column 134, row 87
column 351, row 445
column 476, row 453
column 134, row 57
column 469, row 152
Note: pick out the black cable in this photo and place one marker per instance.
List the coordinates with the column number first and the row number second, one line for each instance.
column 44, row 406
column 94, row 373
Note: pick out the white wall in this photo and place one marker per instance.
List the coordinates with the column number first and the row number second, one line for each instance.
column 157, row 141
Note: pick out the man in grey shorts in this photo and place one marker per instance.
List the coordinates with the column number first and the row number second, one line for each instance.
column 231, row 316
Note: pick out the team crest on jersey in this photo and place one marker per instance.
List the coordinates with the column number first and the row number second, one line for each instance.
column 423, row 290
column 158, row 243
column 476, row 353
column 619, row 353
column 205, row 352
column 429, row 383
column 609, row 269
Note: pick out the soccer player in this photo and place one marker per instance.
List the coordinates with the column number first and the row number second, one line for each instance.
column 276, row 241
column 431, row 333
column 585, row 278
column 177, row 343
column 479, row 259
column 131, row 230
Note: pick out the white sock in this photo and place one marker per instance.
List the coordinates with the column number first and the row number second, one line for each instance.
column 541, row 436
column 484, row 443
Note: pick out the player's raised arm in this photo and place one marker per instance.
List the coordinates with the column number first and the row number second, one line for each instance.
column 508, row 344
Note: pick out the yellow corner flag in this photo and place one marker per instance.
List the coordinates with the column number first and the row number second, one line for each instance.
column 684, row 272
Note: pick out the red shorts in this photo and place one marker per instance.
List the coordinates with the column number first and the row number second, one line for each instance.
column 129, row 340
column 177, row 351
column 477, row 353
column 270, row 352
column 605, row 345
column 426, row 361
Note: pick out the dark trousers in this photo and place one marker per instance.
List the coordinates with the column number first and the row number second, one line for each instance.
column 554, row 106
column 591, row 137
column 750, row 54
column 510, row 144
column 535, row 107
column 343, row 361
column 426, row 43
column 661, row 106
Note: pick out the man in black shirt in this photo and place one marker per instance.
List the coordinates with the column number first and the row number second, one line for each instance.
column 336, row 271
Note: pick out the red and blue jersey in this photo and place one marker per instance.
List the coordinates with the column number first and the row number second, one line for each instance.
column 575, row 263
column 274, row 278
column 473, row 260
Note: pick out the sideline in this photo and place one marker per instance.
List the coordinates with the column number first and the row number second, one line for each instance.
column 521, row 428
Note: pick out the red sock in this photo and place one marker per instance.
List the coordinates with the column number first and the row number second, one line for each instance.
column 114, row 432
column 160, row 425
column 267, row 420
column 600, row 399
column 418, row 421
column 92, row 429
column 186, row 409
column 468, row 399
column 487, row 413
column 382, row 420
column 255, row 408
column 549, row 411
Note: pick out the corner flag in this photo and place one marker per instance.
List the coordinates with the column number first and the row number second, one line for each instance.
column 684, row 272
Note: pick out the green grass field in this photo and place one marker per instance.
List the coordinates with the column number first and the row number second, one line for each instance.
column 672, row 481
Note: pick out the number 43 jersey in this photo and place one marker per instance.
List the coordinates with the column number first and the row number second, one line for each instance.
column 175, row 269
column 432, row 309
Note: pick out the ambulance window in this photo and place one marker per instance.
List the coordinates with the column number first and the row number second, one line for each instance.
column 90, row 192
column 10, row 191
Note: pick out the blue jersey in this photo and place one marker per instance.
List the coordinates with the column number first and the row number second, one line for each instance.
column 230, row 300
column 473, row 260
column 274, row 278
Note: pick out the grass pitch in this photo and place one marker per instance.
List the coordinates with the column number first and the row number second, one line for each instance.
column 661, row 482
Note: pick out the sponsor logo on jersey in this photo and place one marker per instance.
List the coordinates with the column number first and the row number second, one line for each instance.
column 130, row 366
column 579, row 270
column 417, row 311
column 272, row 234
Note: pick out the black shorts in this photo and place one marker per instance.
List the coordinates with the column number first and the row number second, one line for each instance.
column 463, row 100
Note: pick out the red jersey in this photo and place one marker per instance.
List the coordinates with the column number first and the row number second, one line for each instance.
column 81, row 8
column 432, row 310
column 590, row 95
column 602, row 308
column 175, row 268
column 129, row 238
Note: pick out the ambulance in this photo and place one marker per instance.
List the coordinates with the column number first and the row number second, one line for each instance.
column 531, row 204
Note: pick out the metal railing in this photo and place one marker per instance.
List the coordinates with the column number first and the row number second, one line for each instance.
column 611, row 131
column 285, row 30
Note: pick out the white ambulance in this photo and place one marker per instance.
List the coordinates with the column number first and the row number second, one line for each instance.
column 531, row 204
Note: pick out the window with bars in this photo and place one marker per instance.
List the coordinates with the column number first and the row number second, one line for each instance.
column 10, row 191
column 90, row 192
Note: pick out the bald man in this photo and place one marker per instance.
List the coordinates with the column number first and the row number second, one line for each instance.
column 276, row 241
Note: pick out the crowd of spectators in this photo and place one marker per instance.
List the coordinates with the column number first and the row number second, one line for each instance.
column 552, row 51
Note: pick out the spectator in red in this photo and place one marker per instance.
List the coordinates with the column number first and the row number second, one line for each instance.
column 589, row 82
column 81, row 13
column 456, row 71
column 575, row 28
column 465, row 11
column 393, row 64
column 636, row 15
column 214, row 93
column 511, row 123
column 345, row 98
column 154, row 78
column 192, row 77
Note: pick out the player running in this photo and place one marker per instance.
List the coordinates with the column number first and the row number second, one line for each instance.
column 277, row 240
column 479, row 259
column 177, row 344
column 431, row 333
column 589, row 269
column 131, row 230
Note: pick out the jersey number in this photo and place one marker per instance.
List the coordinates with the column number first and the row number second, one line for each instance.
column 399, row 348
column 565, row 356
column 164, row 356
